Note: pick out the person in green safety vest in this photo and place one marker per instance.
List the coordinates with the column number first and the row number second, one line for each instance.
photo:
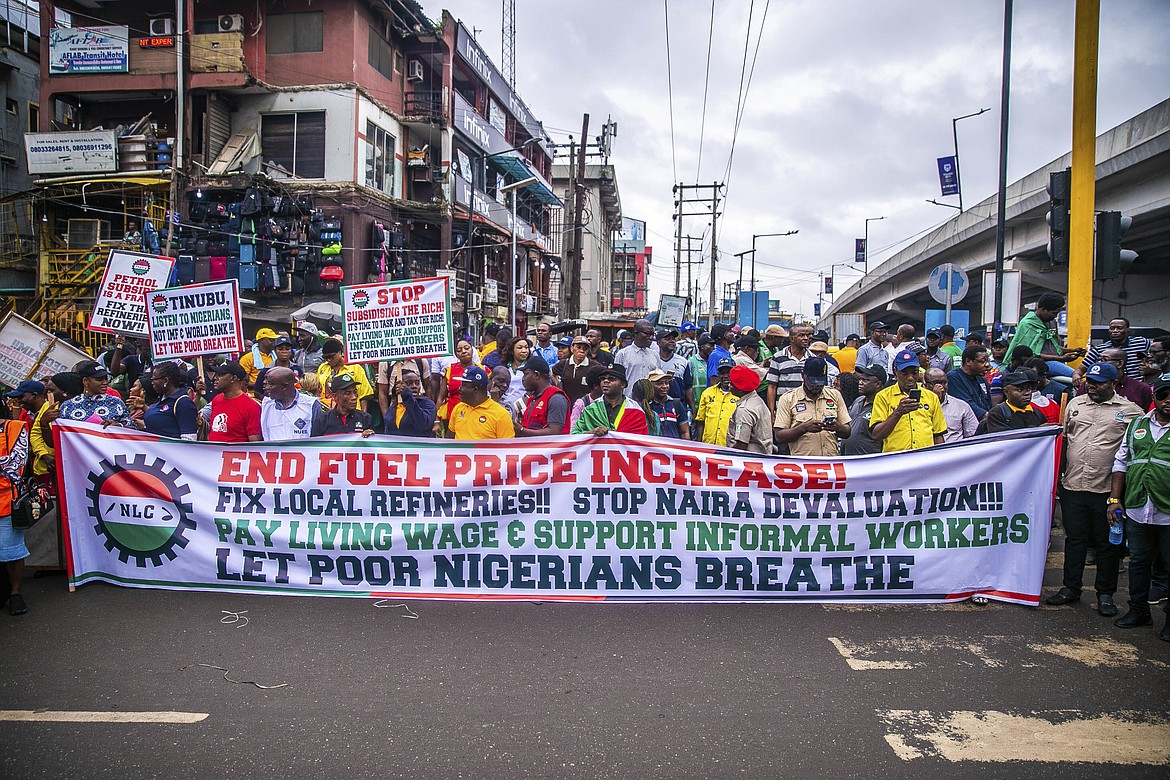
column 1140, row 493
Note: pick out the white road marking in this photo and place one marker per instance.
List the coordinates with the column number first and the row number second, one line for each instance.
column 75, row 716
column 989, row 652
column 1054, row 737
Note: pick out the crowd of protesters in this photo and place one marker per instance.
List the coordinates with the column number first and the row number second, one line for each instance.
column 782, row 391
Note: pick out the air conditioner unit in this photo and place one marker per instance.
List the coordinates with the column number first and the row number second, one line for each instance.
column 414, row 70
column 474, row 301
column 231, row 23
column 86, row 233
column 161, row 27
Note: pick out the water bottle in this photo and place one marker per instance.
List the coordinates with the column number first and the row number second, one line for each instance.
column 1116, row 526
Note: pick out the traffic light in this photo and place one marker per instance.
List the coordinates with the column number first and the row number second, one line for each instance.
column 1112, row 260
column 1059, row 191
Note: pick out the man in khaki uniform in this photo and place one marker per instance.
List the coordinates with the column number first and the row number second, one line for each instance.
column 1094, row 425
column 811, row 418
column 751, row 423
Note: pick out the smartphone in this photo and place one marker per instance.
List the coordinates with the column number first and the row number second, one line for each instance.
column 915, row 394
column 829, row 421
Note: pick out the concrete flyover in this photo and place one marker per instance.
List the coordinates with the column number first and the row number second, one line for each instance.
column 1133, row 176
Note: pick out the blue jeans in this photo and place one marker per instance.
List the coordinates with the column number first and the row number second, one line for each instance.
column 1144, row 540
column 1056, row 368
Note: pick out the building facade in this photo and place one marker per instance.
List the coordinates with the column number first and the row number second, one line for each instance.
column 20, row 52
column 588, row 287
column 295, row 145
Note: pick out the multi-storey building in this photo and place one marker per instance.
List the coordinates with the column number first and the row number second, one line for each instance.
column 631, row 269
column 301, row 144
column 20, row 50
column 590, row 285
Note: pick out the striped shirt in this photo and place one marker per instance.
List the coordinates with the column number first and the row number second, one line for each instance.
column 1133, row 345
column 785, row 371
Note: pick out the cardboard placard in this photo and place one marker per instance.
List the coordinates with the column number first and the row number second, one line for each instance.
column 397, row 320
column 129, row 276
column 196, row 319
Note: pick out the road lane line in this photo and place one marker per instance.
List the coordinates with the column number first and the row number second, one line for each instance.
column 1093, row 652
column 81, row 716
column 1054, row 737
column 849, row 652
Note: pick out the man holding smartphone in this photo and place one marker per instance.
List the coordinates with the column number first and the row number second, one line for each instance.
column 811, row 418
column 904, row 417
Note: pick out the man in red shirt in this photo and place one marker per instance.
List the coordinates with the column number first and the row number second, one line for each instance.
column 235, row 415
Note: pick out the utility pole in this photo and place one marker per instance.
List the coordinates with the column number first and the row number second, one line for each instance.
column 678, row 245
column 573, row 301
column 1001, row 207
column 692, row 294
column 715, row 189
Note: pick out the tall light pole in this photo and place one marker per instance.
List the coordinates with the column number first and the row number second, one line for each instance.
column 867, row 221
column 753, row 271
column 512, row 188
column 955, row 134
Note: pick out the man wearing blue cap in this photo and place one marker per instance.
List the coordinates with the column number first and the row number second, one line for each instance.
column 1094, row 425
column 905, row 415
column 687, row 346
column 33, row 400
column 477, row 416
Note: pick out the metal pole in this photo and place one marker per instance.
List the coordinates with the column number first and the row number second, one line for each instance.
column 946, row 274
column 714, row 254
column 678, row 244
column 1084, row 147
column 1001, row 217
column 512, row 278
column 958, row 173
column 754, row 280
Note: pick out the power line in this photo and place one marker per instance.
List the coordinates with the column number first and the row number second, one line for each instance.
column 751, row 73
column 706, row 85
column 669, row 90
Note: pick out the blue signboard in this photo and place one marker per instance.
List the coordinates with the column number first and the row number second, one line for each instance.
column 960, row 321
column 948, row 175
column 760, row 322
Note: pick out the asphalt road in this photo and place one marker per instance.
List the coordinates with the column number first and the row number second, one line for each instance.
column 515, row 690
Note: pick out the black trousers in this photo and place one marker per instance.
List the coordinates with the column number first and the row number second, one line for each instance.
column 1144, row 541
column 1085, row 525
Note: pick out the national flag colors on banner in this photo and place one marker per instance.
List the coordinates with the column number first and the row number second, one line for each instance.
column 615, row 518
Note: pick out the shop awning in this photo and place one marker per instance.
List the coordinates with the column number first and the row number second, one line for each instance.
column 517, row 167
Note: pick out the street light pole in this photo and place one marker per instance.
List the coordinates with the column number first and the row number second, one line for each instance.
column 754, row 237
column 867, row 221
column 955, row 133
column 512, row 190
column 739, row 287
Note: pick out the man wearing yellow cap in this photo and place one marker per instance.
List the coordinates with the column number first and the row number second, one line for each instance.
column 262, row 354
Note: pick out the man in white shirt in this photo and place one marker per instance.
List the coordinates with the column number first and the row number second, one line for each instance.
column 285, row 412
column 640, row 357
column 961, row 421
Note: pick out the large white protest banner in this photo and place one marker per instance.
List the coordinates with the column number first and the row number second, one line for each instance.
column 620, row 518
column 396, row 320
column 28, row 350
column 121, row 299
column 196, row 319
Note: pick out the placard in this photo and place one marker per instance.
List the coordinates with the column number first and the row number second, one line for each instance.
column 672, row 310
column 397, row 320
column 121, row 300
column 196, row 319
column 28, row 350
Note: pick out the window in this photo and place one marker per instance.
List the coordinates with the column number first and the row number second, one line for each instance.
column 382, row 55
column 34, row 117
column 294, row 144
column 10, row 106
column 291, row 33
column 379, row 159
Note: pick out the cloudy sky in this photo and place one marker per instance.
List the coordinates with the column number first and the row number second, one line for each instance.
column 850, row 104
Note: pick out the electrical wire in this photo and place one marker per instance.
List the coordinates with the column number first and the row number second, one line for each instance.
column 706, row 86
column 670, row 91
column 743, row 101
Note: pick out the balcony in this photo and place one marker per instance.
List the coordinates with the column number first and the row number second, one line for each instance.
column 424, row 106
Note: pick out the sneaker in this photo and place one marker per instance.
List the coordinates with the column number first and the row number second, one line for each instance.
column 1157, row 595
column 16, row 605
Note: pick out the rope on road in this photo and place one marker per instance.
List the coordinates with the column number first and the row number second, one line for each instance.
column 410, row 613
column 226, row 672
column 230, row 617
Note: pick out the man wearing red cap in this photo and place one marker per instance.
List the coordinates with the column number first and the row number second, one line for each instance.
column 751, row 423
